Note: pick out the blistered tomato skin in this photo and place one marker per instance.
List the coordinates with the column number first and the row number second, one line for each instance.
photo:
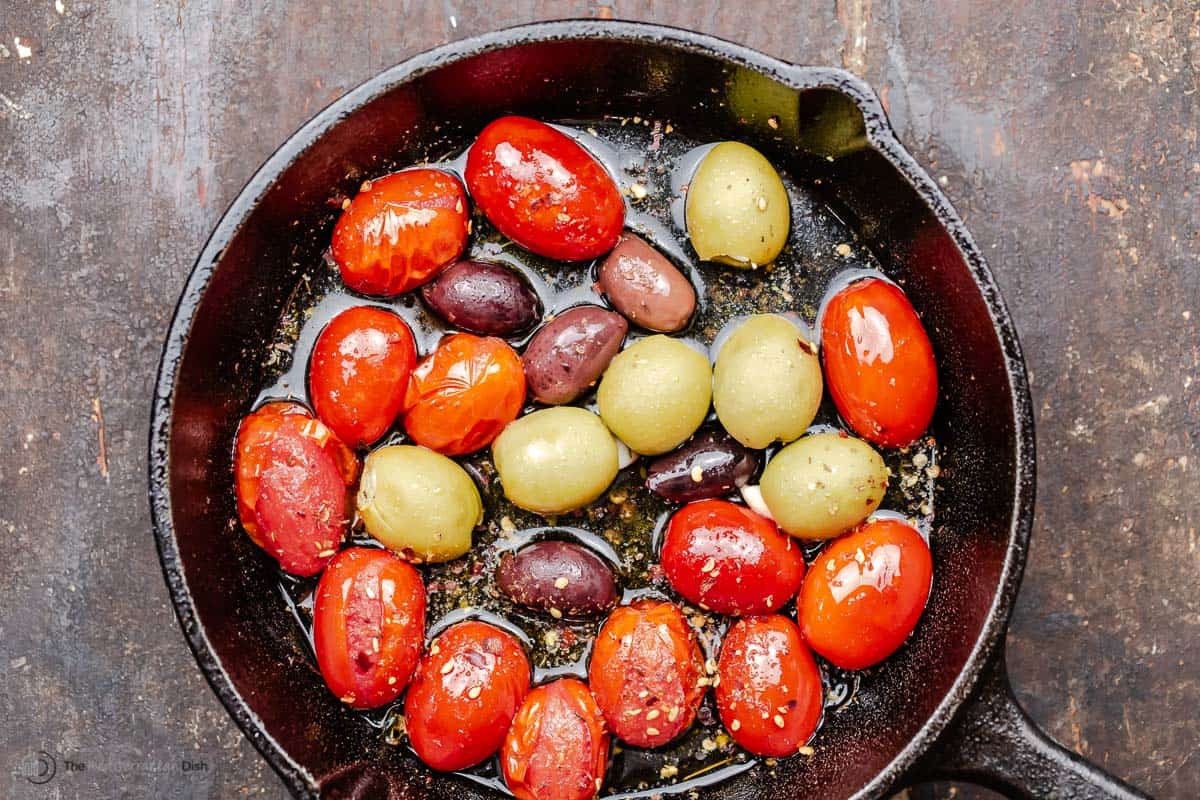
column 879, row 363
column 465, row 693
column 359, row 373
column 645, row 673
column 400, row 231
column 865, row 592
column 292, row 476
column 544, row 191
column 463, row 394
column 557, row 747
column 728, row 559
column 368, row 626
column 770, row 694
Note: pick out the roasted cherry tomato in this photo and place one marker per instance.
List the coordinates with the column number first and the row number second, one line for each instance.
column 463, row 394
column 292, row 478
column 770, row 694
column 879, row 363
column 465, row 694
column 368, row 626
column 544, row 191
column 359, row 373
column 646, row 672
column 864, row 593
column 728, row 559
column 400, row 231
column 557, row 747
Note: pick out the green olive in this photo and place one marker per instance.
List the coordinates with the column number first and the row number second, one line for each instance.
column 655, row 394
column 737, row 209
column 767, row 382
column 418, row 503
column 823, row 484
column 555, row 460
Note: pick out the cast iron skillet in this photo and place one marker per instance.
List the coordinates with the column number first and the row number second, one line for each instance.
column 941, row 708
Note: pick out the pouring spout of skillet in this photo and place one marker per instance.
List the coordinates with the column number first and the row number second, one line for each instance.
column 943, row 699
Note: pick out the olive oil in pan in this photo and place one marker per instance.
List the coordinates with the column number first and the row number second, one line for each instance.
column 652, row 169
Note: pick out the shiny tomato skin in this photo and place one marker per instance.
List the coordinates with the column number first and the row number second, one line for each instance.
column 292, row 475
column 368, row 625
column 770, row 697
column 865, row 592
column 544, row 191
column 359, row 373
column 557, row 747
column 645, row 673
column 879, row 363
column 401, row 230
column 465, row 693
column 727, row 559
column 463, row 394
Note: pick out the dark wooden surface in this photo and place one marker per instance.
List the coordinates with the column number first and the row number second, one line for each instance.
column 1065, row 132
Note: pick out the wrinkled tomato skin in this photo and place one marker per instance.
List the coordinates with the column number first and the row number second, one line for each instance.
column 544, row 191
column 557, row 747
column 865, row 592
column 879, row 363
column 770, row 694
column 646, row 672
column 463, row 394
column 368, row 626
column 727, row 559
column 400, row 231
column 465, row 693
column 292, row 475
column 359, row 373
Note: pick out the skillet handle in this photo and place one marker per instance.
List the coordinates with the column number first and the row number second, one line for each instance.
column 994, row 743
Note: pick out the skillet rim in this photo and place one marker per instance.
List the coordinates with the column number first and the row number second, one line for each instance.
column 879, row 133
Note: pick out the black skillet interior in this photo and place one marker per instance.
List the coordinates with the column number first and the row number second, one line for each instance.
column 225, row 593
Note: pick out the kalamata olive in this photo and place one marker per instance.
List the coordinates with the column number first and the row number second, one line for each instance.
column 563, row 579
column 647, row 288
column 737, row 208
column 571, row 352
column 767, row 381
column 655, row 394
column 712, row 464
column 484, row 298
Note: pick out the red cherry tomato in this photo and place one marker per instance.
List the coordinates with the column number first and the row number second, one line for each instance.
column 463, row 394
column 557, row 747
column 544, row 191
column 292, row 476
column 864, row 593
column 645, row 673
column 359, row 373
column 400, row 231
column 879, row 363
column 728, row 559
column 770, row 695
column 368, row 626
column 465, row 694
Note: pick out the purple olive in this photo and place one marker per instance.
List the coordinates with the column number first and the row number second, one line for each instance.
column 567, row 356
column 711, row 464
column 647, row 288
column 484, row 298
column 562, row 579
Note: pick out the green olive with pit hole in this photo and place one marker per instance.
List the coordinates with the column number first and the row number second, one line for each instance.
column 823, row 485
column 767, row 381
column 555, row 460
column 737, row 211
column 655, row 394
column 418, row 503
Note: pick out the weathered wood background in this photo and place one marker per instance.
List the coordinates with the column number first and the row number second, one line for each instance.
column 1066, row 133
